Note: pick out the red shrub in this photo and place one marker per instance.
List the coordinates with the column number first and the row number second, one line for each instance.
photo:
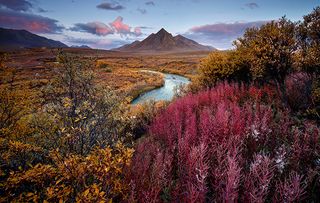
column 196, row 174
column 233, row 179
column 257, row 181
column 292, row 189
column 224, row 145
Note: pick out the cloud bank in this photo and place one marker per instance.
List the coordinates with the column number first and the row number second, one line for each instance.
column 221, row 35
column 28, row 21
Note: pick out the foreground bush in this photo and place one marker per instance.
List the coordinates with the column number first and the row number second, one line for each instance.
column 97, row 177
column 66, row 148
column 85, row 115
column 232, row 143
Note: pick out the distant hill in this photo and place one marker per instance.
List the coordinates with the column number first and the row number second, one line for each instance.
column 18, row 39
column 81, row 46
column 163, row 41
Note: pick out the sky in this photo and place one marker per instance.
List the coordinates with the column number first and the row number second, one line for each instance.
column 106, row 24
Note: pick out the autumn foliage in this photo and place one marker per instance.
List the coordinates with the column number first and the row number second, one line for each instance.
column 96, row 177
column 231, row 143
column 72, row 146
column 219, row 66
column 249, row 132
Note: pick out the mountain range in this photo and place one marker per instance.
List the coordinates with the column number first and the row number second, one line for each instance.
column 18, row 39
column 164, row 41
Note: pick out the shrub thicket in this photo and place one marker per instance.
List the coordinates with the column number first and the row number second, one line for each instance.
column 97, row 177
column 263, row 54
column 74, row 147
column 231, row 143
column 85, row 115
column 219, row 66
column 271, row 54
column 269, row 50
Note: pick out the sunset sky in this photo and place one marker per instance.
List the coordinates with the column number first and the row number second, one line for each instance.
column 107, row 24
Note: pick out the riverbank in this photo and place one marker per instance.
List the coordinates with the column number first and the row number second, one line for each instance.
column 166, row 92
column 142, row 87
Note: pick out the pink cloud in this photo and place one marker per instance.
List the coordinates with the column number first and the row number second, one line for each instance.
column 119, row 26
column 101, row 29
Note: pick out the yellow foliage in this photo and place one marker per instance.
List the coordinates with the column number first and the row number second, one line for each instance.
column 220, row 66
column 92, row 194
column 36, row 175
column 269, row 50
column 98, row 177
column 58, row 152
column 14, row 148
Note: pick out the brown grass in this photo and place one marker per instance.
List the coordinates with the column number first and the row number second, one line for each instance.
column 121, row 71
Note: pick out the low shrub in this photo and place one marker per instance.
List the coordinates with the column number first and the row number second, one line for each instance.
column 64, row 149
column 103, row 65
column 98, row 177
column 231, row 143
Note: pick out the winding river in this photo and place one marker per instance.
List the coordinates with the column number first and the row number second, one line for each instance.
column 166, row 92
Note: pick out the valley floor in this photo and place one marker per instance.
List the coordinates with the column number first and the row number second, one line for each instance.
column 120, row 71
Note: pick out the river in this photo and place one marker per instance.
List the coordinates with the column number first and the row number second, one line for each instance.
column 166, row 92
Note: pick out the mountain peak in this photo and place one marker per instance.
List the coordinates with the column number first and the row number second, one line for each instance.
column 162, row 30
column 163, row 41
